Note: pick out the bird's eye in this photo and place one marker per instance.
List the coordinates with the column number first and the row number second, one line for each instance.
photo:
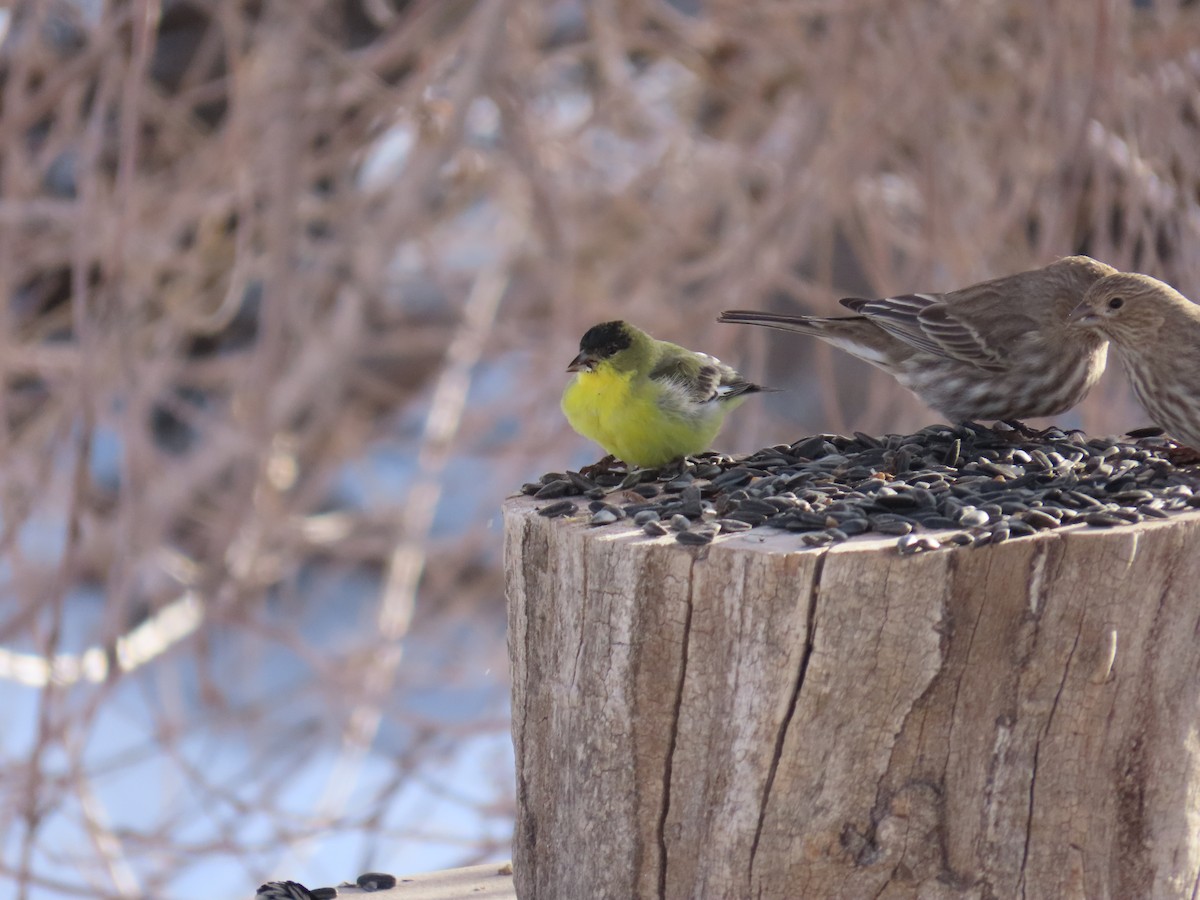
column 1116, row 302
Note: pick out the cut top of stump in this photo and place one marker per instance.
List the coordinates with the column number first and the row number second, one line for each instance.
column 960, row 485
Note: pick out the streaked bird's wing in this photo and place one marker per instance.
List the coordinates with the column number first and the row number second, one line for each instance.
column 930, row 324
column 958, row 338
column 900, row 316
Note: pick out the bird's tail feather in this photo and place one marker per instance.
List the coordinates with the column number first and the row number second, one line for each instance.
column 783, row 321
column 741, row 388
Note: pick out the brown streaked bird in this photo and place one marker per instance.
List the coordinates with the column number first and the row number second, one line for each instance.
column 1000, row 349
column 1156, row 331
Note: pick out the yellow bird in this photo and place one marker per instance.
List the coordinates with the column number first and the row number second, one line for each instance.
column 645, row 401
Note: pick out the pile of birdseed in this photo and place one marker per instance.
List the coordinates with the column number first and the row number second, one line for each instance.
column 972, row 484
column 368, row 882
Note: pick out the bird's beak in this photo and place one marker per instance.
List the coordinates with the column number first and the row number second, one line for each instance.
column 581, row 363
column 1083, row 314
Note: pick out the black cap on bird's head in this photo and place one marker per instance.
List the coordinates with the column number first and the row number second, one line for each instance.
column 599, row 343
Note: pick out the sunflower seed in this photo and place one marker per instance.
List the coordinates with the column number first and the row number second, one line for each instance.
column 560, row 487
column 376, row 881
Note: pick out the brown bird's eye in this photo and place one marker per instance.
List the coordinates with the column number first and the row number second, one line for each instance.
column 1116, row 303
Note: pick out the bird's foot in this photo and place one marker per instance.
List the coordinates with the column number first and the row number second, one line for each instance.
column 1179, row 455
column 1024, row 430
column 673, row 469
column 1183, row 456
column 600, row 467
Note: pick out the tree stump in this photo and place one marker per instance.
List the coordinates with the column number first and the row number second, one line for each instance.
column 754, row 719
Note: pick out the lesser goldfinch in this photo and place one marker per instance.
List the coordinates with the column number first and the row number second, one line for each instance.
column 1000, row 349
column 645, row 401
column 1156, row 331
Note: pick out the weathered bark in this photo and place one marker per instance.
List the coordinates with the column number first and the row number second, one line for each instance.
column 752, row 719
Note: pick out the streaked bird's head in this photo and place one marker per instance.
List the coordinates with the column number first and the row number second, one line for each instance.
column 1083, row 268
column 616, row 342
column 1071, row 277
column 1130, row 308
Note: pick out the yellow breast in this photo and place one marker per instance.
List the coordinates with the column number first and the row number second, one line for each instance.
column 623, row 414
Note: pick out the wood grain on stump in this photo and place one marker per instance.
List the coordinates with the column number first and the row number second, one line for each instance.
column 756, row 720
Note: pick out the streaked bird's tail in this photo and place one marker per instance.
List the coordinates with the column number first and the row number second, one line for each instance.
column 818, row 325
column 857, row 335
